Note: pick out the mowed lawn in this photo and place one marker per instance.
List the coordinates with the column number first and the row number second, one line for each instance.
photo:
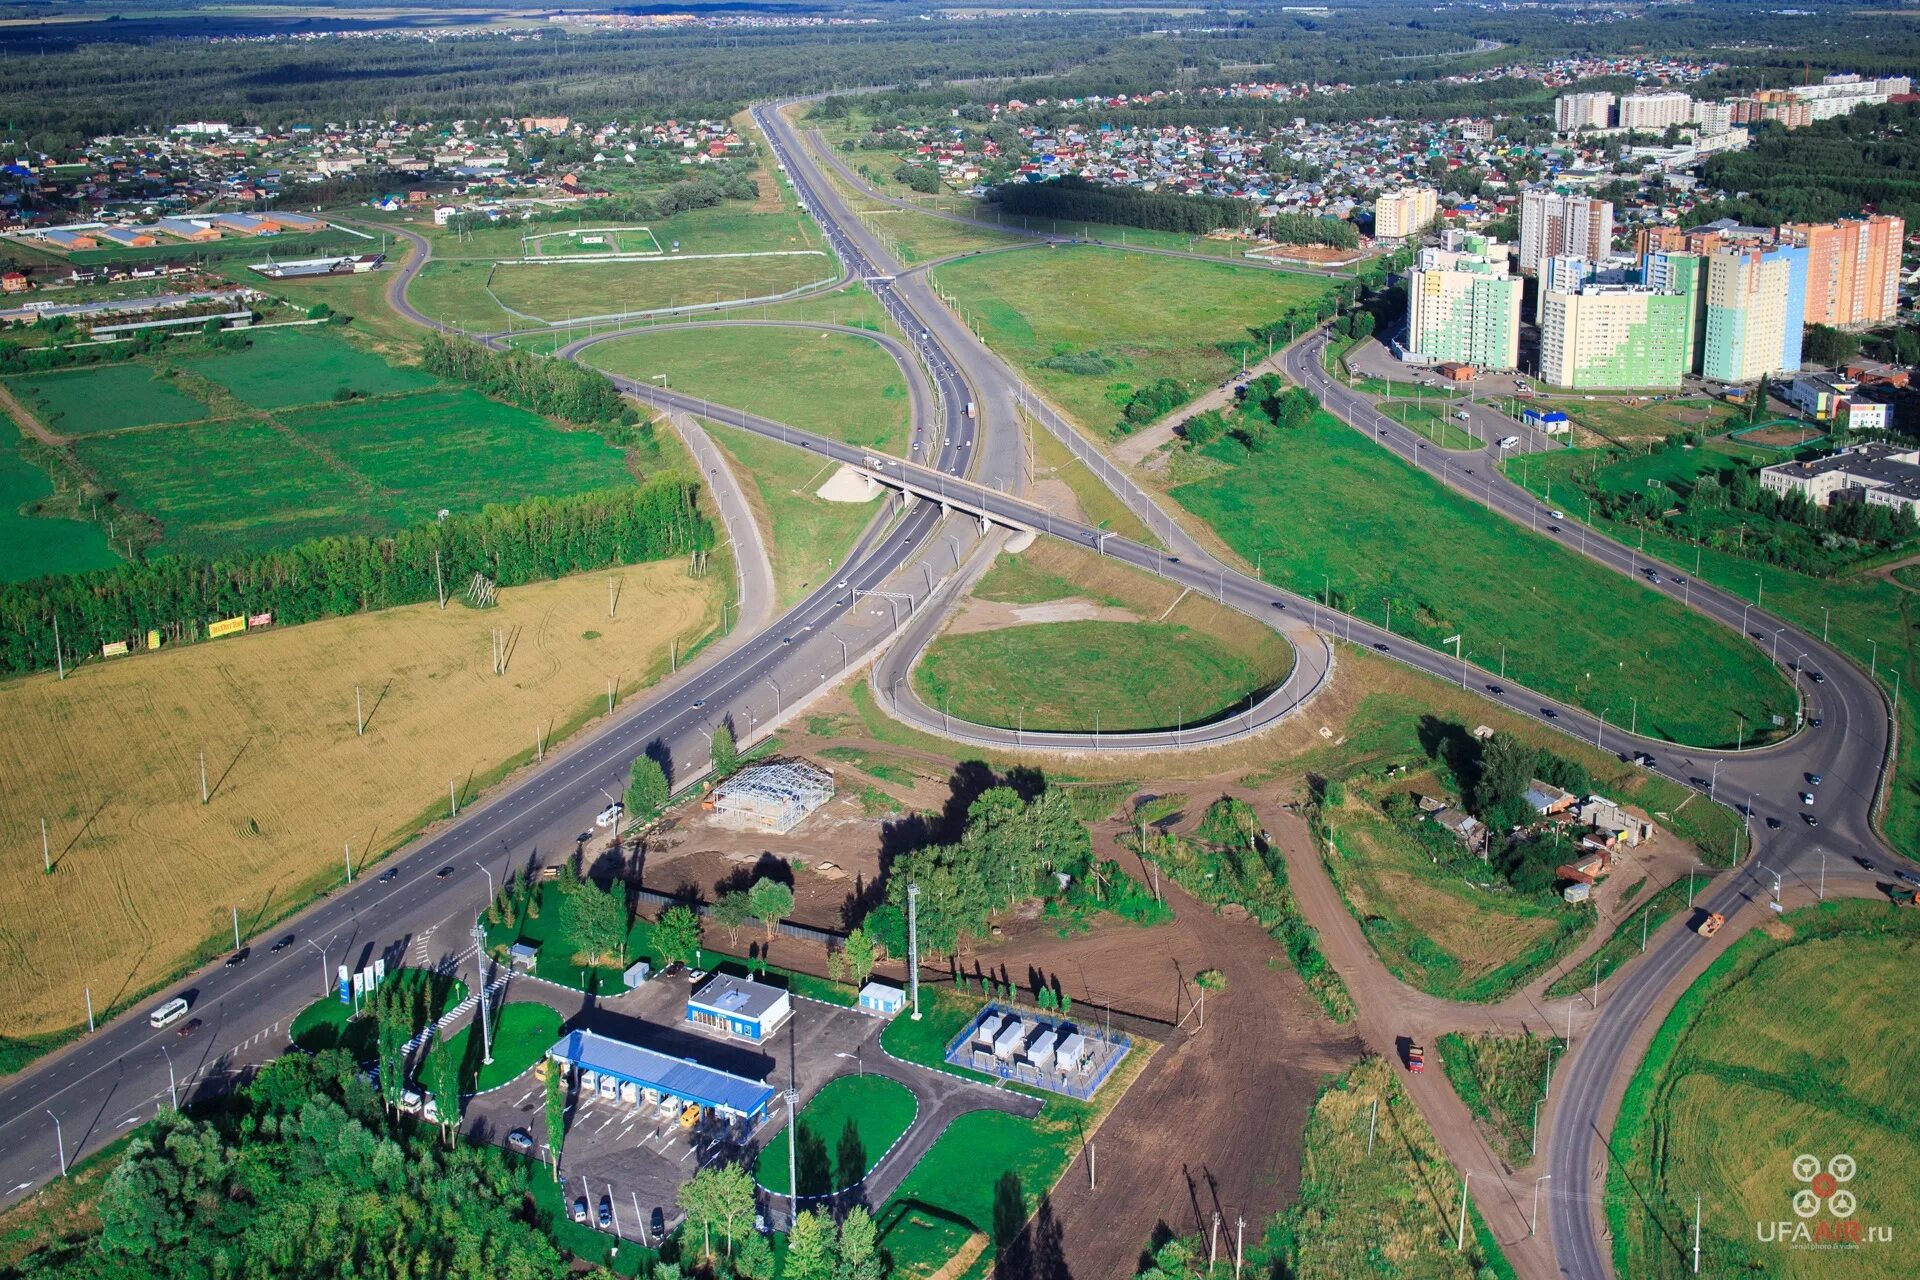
column 1794, row 1042
column 303, row 366
column 877, row 1110
column 293, row 782
column 367, row 467
column 807, row 536
column 1328, row 511
column 584, row 288
column 107, row 397
column 1061, row 675
column 1146, row 317
column 35, row 545
column 836, row 384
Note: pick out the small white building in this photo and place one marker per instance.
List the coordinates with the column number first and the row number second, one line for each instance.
column 1010, row 1040
column 1070, row 1050
column 882, row 998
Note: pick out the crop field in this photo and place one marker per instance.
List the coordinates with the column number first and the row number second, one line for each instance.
column 807, row 536
column 303, row 366
column 364, row 468
column 1088, row 326
column 35, row 545
column 1434, row 931
column 1335, row 514
column 1793, row 1042
column 1057, row 636
column 833, row 383
column 145, row 874
column 874, row 1109
column 107, row 397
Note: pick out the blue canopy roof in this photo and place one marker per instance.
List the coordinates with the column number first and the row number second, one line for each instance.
column 680, row 1077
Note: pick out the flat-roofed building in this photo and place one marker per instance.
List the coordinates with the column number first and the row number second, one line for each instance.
column 1573, row 112
column 1407, row 212
column 1614, row 337
column 1755, row 301
column 1853, row 268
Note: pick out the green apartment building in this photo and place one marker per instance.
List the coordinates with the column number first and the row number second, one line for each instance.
column 1463, row 308
column 1615, row 337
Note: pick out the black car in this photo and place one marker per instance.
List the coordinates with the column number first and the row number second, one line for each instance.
column 443, row 873
column 1497, row 690
column 1773, row 824
column 1381, row 647
column 188, row 1027
column 1818, row 678
column 283, row 944
column 239, row 957
column 1811, row 820
column 658, row 1226
column 1816, row 722
column 1549, row 713
column 1866, row 864
column 389, row 874
column 1279, row 604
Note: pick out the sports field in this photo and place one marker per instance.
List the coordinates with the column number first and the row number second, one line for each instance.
column 1793, row 1043
column 145, row 874
column 839, row 385
column 1335, row 514
column 807, row 536
column 1089, row 326
column 34, row 545
column 363, row 468
column 1056, row 637
column 108, row 397
column 593, row 241
column 844, row 1130
column 303, row 366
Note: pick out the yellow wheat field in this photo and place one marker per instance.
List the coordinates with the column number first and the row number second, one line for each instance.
column 145, row 875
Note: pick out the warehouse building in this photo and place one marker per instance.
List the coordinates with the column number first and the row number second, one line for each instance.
column 622, row 1072
column 774, row 797
column 739, row 1007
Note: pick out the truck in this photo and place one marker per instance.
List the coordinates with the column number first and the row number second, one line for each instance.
column 1904, row 896
column 1711, row 925
column 970, row 409
column 1416, row 1057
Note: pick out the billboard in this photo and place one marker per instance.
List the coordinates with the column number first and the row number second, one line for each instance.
column 226, row 627
column 260, row 620
column 346, row 986
column 113, row 649
column 153, row 639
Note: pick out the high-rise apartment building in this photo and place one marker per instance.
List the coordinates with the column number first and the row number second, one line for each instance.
column 1552, row 224
column 1654, row 112
column 1756, row 306
column 1464, row 305
column 1613, row 337
column 1682, row 275
column 1853, row 268
column 1713, row 118
column 1403, row 213
column 1561, row 273
column 1575, row 111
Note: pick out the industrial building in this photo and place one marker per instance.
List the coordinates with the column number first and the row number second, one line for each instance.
column 739, row 1006
column 623, row 1072
column 775, row 797
column 303, row 268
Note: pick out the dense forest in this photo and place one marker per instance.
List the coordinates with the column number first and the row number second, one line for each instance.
column 1870, row 158
column 330, row 577
column 1073, row 199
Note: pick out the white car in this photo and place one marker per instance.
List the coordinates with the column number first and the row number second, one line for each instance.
column 1509, row 442
column 609, row 815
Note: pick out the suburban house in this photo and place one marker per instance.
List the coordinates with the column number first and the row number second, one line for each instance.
column 1547, row 799
column 1467, row 829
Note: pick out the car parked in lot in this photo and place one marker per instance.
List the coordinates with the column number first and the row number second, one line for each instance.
column 605, row 1215
column 520, row 1140
column 580, row 1209
column 657, row 1228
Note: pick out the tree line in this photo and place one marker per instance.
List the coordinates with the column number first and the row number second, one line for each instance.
column 510, row 544
column 556, row 388
column 1073, row 199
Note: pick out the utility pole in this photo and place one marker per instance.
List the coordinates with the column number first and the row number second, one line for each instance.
column 1239, row 1243
column 203, row 778
column 89, row 991
column 1696, row 1235
column 346, row 853
column 453, row 802
column 236, row 928
column 793, row 1178
column 46, row 850
column 1373, row 1120
column 1213, row 1241
column 913, row 946
column 1460, row 1232
column 439, row 583
column 359, row 719
column 59, row 659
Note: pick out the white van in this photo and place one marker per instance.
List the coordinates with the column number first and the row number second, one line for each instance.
column 172, row 1011
column 1509, row 442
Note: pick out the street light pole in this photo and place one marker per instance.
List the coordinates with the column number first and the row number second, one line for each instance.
column 60, row 1141
column 173, row 1090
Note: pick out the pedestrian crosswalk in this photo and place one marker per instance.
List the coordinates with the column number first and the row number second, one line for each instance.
column 454, row 1014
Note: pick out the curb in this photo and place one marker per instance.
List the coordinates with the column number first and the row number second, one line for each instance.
column 878, row 1160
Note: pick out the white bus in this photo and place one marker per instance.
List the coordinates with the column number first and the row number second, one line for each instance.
column 172, row 1011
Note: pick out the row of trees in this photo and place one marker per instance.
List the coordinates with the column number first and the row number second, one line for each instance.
column 556, row 388
column 1072, row 199
column 1312, row 228
column 512, row 544
column 68, row 349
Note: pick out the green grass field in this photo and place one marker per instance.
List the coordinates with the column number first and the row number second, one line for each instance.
column 876, row 1110
column 364, row 468
column 1059, row 675
column 1145, row 317
column 1098, row 503
column 1334, row 513
column 32, row 546
column 1621, row 421
column 726, row 228
column 1500, row 1079
column 807, row 536
column 832, row 383
column 583, row 289
column 107, row 397
column 1793, row 1042
column 522, row 1034
column 1432, row 421
column 303, row 366
column 1433, row 930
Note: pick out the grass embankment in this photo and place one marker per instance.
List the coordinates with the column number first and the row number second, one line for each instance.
column 328, row 1023
column 1861, row 613
column 1090, row 326
column 835, row 384
column 1500, row 1078
column 1389, row 1212
column 291, row 781
column 844, row 1130
column 807, row 536
column 1624, row 944
column 1794, row 1041
column 1434, row 930
column 1336, row 515
column 1153, row 657
column 1099, row 505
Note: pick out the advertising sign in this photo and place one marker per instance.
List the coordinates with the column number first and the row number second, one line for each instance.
column 153, row 639
column 260, row 620
column 113, row 649
column 346, row 987
column 379, row 971
column 226, row 627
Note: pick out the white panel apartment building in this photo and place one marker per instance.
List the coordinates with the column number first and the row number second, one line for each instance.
column 1553, row 225
column 1575, row 111
column 1400, row 214
column 1654, row 112
column 1464, row 306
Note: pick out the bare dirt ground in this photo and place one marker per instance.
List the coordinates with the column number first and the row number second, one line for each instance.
column 993, row 615
column 1057, row 495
